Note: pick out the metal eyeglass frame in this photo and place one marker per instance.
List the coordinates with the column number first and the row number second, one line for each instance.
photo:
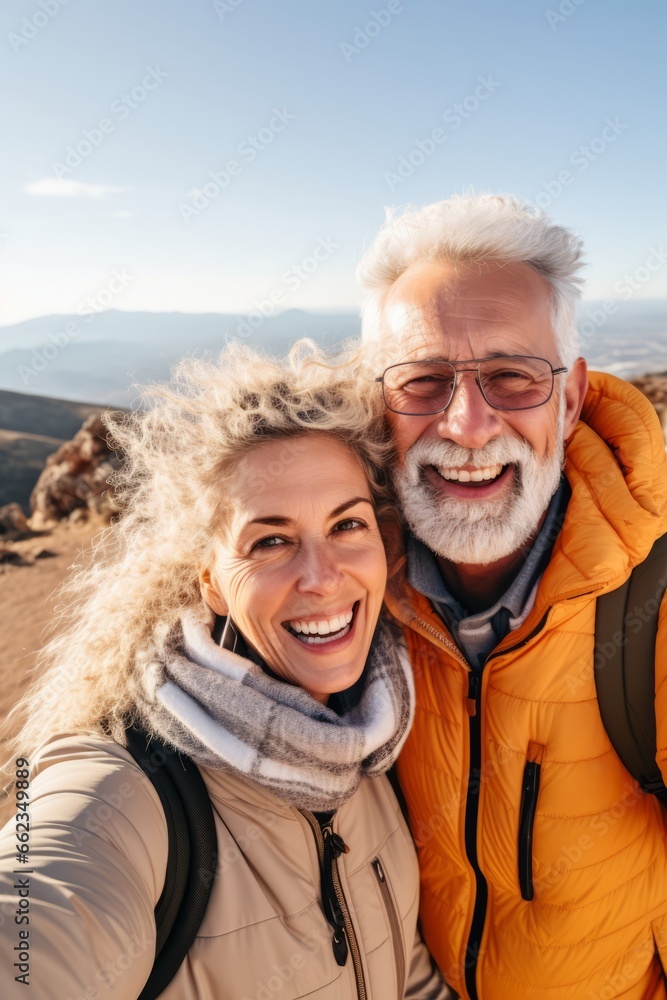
column 477, row 362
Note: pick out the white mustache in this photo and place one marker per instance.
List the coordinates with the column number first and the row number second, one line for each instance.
column 501, row 451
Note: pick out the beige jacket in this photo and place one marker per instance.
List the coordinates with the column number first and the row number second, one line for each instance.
column 98, row 853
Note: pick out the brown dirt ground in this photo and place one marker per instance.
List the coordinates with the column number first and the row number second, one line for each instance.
column 28, row 594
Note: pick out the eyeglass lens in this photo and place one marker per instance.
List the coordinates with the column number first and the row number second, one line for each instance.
column 424, row 387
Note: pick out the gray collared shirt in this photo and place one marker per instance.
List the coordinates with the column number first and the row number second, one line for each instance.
column 477, row 634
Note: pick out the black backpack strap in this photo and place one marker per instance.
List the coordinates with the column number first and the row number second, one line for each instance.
column 392, row 775
column 626, row 629
column 192, row 858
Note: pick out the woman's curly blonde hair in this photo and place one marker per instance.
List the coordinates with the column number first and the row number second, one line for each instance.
column 180, row 450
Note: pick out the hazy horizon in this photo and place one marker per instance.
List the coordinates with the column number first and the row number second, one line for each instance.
column 104, row 355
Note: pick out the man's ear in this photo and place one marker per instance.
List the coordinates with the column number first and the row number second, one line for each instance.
column 211, row 594
column 576, row 388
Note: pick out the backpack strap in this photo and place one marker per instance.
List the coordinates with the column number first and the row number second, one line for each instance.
column 626, row 629
column 192, row 858
column 392, row 775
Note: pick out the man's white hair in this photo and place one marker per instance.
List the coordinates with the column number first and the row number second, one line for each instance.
column 475, row 229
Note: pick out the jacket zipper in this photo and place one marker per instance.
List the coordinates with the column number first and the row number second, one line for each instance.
column 471, row 809
column 394, row 923
column 441, row 637
column 329, row 848
column 473, row 945
column 522, row 642
column 470, row 832
column 529, row 793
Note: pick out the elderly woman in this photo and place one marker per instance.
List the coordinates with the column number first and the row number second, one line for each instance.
column 233, row 614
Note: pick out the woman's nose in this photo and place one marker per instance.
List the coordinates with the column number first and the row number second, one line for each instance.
column 320, row 570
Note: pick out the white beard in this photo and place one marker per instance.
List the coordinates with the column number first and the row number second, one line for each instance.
column 483, row 531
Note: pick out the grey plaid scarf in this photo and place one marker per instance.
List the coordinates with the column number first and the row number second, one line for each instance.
column 224, row 711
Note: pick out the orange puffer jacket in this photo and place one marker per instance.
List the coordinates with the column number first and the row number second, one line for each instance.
column 587, row 844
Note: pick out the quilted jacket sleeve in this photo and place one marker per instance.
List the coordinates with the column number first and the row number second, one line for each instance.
column 661, row 689
column 98, row 853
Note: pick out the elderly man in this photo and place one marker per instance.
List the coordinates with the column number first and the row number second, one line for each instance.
column 544, row 868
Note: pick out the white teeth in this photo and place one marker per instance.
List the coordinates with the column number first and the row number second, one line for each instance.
column 324, row 627
column 318, row 640
column 472, row 476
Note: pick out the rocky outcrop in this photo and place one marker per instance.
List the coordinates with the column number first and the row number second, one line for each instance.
column 13, row 521
column 75, row 478
column 654, row 388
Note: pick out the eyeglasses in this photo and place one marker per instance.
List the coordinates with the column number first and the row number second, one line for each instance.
column 421, row 388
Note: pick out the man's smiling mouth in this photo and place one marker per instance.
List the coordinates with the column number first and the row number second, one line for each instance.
column 471, row 477
column 483, row 474
column 317, row 632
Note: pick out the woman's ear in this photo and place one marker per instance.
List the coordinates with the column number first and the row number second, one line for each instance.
column 211, row 594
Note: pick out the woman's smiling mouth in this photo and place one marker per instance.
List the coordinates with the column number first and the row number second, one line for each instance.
column 320, row 631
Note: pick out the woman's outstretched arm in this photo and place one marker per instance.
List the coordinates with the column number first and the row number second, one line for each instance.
column 95, row 869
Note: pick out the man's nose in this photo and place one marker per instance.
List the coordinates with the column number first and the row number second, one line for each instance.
column 320, row 572
column 469, row 420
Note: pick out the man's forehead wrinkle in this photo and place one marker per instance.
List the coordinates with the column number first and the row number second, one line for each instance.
column 437, row 310
column 439, row 322
column 481, row 301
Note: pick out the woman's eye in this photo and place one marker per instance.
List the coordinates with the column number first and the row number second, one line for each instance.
column 349, row 524
column 270, row 542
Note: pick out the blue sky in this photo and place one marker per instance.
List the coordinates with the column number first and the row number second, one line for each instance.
column 314, row 104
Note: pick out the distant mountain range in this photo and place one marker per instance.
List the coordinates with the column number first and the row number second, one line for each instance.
column 99, row 359
column 100, row 356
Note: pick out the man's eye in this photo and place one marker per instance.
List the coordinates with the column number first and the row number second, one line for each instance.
column 427, row 384
column 509, row 373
